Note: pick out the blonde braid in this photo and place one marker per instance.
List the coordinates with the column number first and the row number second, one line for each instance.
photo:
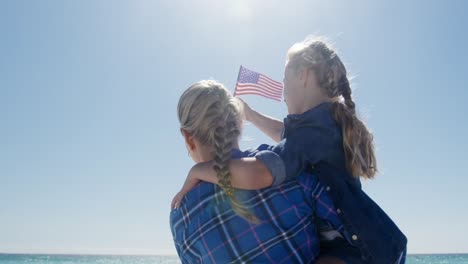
column 361, row 154
column 208, row 111
column 225, row 136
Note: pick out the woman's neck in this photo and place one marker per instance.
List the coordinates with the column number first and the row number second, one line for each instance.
column 206, row 154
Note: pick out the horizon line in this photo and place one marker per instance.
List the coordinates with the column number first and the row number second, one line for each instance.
column 168, row 255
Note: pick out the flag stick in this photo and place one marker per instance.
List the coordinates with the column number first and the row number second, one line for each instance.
column 238, row 76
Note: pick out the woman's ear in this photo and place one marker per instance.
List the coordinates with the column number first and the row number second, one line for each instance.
column 188, row 139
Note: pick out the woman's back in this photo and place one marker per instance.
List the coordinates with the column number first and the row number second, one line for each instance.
column 207, row 230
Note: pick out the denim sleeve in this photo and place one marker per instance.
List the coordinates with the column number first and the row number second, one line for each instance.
column 274, row 164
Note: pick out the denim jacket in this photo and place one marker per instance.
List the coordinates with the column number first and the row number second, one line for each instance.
column 313, row 141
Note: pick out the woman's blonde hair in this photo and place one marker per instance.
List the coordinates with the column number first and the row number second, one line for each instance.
column 209, row 113
column 314, row 53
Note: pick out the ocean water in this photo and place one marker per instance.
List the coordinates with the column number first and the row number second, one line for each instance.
column 437, row 259
column 82, row 259
column 104, row 259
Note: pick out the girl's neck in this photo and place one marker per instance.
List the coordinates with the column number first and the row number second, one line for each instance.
column 312, row 102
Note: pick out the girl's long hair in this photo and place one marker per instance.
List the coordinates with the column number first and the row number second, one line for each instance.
column 316, row 54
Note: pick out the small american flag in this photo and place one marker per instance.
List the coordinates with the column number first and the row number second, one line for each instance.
column 250, row 82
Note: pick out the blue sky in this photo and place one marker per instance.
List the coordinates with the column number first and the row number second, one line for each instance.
column 91, row 153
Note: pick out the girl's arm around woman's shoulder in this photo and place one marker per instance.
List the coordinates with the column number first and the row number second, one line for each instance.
column 250, row 173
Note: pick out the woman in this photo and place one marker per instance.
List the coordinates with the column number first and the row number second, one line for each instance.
column 218, row 224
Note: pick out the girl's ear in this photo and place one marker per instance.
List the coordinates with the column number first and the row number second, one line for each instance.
column 188, row 139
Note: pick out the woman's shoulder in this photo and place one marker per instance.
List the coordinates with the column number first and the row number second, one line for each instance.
column 194, row 203
column 201, row 192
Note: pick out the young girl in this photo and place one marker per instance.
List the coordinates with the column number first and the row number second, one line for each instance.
column 323, row 134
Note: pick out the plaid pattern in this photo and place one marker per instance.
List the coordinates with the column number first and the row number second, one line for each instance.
column 206, row 230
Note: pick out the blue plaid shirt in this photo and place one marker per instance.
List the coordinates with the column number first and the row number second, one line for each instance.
column 206, row 230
